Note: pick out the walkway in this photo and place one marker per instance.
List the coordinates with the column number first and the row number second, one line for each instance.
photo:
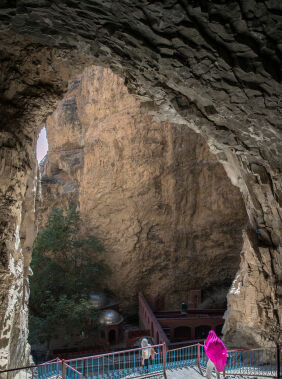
column 193, row 373
column 184, row 373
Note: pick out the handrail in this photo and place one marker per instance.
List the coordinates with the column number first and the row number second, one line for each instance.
column 188, row 317
column 183, row 347
column 114, row 353
column 186, row 343
column 28, row 367
column 194, row 311
column 254, row 349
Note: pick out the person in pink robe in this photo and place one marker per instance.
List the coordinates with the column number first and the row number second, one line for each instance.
column 217, row 354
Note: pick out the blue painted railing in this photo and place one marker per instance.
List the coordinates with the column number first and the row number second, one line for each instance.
column 128, row 364
column 182, row 357
column 119, row 365
column 71, row 373
column 253, row 362
column 258, row 362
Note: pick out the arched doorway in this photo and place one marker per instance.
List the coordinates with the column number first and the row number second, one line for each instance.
column 112, row 336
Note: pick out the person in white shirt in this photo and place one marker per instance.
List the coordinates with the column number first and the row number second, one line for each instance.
column 147, row 353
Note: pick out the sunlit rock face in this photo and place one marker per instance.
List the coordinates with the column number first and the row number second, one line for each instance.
column 213, row 66
column 248, row 297
column 163, row 205
column 14, row 269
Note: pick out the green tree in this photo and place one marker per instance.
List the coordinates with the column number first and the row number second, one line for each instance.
column 66, row 268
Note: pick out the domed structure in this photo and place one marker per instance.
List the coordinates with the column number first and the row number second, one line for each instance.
column 98, row 300
column 110, row 317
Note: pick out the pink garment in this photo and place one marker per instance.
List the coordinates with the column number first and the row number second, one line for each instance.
column 216, row 351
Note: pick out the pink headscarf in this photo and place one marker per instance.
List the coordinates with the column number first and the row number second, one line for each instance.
column 216, row 351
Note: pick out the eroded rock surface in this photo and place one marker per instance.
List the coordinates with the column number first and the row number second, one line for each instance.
column 214, row 66
column 168, row 214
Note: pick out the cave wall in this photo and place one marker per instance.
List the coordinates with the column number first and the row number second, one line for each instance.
column 159, row 200
column 26, row 99
column 213, row 66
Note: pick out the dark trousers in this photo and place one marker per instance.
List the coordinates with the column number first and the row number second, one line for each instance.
column 146, row 364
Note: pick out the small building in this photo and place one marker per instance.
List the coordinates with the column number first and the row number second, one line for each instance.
column 110, row 321
column 111, row 327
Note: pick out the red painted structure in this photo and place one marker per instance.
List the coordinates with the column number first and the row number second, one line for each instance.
column 111, row 335
column 148, row 320
column 175, row 326
column 196, row 324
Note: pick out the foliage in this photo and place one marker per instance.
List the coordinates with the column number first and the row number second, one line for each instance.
column 66, row 269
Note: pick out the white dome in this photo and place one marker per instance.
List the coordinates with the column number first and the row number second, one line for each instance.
column 98, row 300
column 110, row 317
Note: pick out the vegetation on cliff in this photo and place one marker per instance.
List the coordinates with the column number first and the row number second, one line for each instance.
column 66, row 269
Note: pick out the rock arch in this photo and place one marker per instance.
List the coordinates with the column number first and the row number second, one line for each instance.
column 214, row 66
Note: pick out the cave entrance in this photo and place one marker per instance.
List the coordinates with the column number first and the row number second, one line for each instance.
column 154, row 183
column 145, row 180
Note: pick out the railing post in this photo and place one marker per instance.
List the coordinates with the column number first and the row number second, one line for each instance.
column 57, row 366
column 164, row 358
column 198, row 355
column 83, row 368
column 278, row 361
column 63, row 369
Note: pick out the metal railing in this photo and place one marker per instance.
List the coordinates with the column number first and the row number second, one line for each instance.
column 182, row 357
column 70, row 372
column 41, row 371
column 128, row 364
column 255, row 362
column 263, row 362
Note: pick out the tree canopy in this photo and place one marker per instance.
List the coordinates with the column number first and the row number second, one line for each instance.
column 66, row 269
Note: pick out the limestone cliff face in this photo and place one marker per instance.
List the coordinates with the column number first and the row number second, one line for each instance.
column 169, row 216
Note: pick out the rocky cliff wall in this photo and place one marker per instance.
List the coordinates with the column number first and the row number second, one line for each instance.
column 168, row 214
